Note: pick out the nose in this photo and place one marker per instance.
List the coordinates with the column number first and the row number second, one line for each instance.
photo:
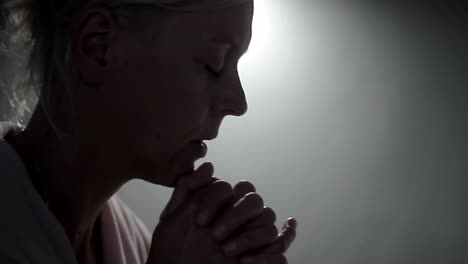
column 230, row 97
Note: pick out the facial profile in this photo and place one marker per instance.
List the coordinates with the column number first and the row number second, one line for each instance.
column 149, row 97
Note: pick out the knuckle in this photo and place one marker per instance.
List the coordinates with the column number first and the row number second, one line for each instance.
column 272, row 233
column 210, row 198
column 244, row 241
column 222, row 186
column 246, row 185
column 247, row 238
column 269, row 214
column 255, row 199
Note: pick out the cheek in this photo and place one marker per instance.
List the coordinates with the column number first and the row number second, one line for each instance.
column 173, row 98
column 164, row 107
column 154, row 107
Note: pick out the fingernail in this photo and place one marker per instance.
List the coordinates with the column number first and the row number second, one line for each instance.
column 292, row 222
column 230, row 248
column 202, row 219
column 219, row 232
column 247, row 260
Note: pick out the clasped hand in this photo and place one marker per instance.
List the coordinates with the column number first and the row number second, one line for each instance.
column 208, row 221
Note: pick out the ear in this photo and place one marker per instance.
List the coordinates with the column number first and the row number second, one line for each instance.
column 94, row 45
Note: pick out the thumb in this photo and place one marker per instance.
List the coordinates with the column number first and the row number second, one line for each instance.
column 201, row 177
column 284, row 239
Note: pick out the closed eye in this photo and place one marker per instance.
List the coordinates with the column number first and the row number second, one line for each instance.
column 213, row 72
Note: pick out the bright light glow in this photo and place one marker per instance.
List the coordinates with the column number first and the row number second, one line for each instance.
column 253, row 63
column 261, row 27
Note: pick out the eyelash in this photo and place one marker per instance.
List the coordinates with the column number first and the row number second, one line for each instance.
column 214, row 73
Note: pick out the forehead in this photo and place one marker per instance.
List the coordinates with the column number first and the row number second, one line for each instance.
column 237, row 26
column 231, row 25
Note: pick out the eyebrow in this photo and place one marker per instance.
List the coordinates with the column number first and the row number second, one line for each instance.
column 232, row 43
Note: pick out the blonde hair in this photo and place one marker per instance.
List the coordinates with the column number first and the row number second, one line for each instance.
column 39, row 29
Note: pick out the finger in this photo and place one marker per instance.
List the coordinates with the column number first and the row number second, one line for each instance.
column 201, row 177
column 292, row 222
column 244, row 210
column 216, row 178
column 257, row 231
column 267, row 216
column 211, row 200
column 285, row 238
column 265, row 259
column 242, row 188
column 250, row 239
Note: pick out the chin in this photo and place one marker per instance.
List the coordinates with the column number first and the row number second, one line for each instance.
column 166, row 178
column 167, row 171
column 169, row 184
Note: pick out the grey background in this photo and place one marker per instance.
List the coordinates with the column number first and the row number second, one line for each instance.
column 357, row 126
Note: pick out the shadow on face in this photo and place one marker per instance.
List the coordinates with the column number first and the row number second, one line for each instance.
column 148, row 94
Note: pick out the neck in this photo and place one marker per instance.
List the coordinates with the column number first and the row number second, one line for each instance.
column 70, row 182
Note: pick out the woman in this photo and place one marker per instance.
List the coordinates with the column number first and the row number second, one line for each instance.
column 130, row 90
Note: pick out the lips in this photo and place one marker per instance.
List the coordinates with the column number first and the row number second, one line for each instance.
column 201, row 148
column 194, row 151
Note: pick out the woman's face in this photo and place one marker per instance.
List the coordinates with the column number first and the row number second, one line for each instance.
column 164, row 89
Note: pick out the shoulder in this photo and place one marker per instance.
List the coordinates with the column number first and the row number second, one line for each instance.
column 30, row 232
column 128, row 216
column 124, row 234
